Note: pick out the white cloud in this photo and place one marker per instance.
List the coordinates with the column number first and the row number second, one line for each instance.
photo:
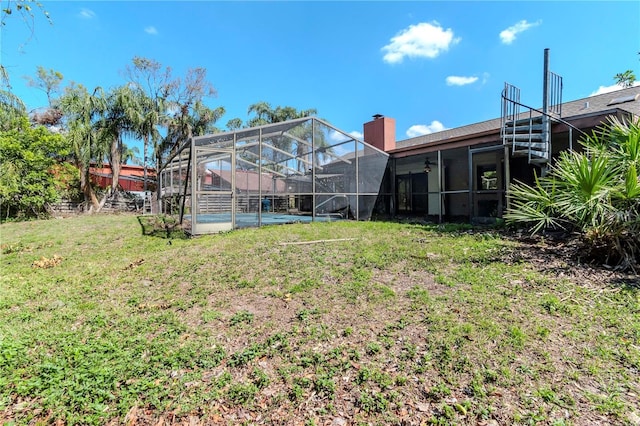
column 608, row 89
column 509, row 35
column 86, row 13
column 336, row 136
column 151, row 30
column 356, row 134
column 454, row 80
column 424, row 40
column 425, row 129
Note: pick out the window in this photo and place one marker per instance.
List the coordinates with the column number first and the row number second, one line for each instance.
column 487, row 178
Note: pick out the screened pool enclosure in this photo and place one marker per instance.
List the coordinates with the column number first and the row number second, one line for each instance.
column 294, row 171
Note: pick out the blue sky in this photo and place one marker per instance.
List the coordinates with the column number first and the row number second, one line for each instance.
column 429, row 65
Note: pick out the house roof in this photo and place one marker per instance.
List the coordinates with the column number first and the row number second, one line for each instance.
column 627, row 100
column 125, row 170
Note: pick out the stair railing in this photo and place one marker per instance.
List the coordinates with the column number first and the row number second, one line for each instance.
column 508, row 113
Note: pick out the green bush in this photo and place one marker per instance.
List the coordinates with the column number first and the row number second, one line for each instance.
column 27, row 155
column 595, row 193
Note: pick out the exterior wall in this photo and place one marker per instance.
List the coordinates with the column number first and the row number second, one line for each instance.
column 449, row 192
column 474, row 167
column 102, row 177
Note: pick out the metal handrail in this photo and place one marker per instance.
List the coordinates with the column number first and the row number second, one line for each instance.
column 557, row 119
column 329, row 199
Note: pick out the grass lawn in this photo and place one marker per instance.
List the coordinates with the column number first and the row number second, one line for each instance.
column 392, row 324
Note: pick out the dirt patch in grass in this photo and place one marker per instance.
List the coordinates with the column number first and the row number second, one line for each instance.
column 560, row 257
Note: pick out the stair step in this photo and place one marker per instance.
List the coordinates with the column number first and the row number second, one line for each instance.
column 534, row 127
column 538, row 161
column 541, row 146
column 525, row 121
column 520, row 153
column 541, row 154
column 534, row 154
column 525, row 136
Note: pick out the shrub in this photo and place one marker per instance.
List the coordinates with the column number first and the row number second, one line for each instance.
column 595, row 193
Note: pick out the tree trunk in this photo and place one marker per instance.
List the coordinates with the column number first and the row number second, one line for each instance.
column 144, row 163
column 90, row 198
column 156, row 204
column 116, row 163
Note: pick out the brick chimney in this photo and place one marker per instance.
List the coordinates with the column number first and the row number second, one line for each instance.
column 381, row 132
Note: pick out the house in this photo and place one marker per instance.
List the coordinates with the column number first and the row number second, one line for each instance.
column 310, row 170
column 462, row 174
column 131, row 177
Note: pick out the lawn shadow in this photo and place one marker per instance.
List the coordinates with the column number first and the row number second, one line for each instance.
column 161, row 225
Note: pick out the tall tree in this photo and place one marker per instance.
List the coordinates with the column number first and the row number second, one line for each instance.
column 234, row 124
column 81, row 111
column 174, row 104
column 49, row 82
column 46, row 80
column 189, row 111
column 119, row 117
column 156, row 84
column 199, row 120
column 146, row 127
column 11, row 108
column 264, row 113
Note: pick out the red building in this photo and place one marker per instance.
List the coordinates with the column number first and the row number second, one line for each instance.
column 131, row 177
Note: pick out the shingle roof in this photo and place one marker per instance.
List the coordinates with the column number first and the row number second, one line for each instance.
column 585, row 106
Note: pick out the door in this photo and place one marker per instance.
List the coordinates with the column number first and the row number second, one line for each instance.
column 214, row 204
column 488, row 183
column 413, row 193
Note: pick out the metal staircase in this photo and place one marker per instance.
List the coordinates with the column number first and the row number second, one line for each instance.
column 524, row 133
column 528, row 133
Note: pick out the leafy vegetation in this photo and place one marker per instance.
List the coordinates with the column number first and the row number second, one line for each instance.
column 595, row 193
column 402, row 323
column 27, row 155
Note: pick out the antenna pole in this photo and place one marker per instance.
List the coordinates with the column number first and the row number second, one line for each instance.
column 546, row 139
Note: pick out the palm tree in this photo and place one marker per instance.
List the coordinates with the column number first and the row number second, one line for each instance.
column 130, row 154
column 150, row 116
column 189, row 121
column 11, row 107
column 81, row 110
column 265, row 114
column 120, row 117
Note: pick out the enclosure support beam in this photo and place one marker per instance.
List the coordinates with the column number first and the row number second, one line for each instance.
column 193, row 157
column 357, row 182
column 234, row 187
column 471, row 183
column 184, row 197
column 440, row 201
column 260, row 180
column 329, row 153
column 313, row 170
